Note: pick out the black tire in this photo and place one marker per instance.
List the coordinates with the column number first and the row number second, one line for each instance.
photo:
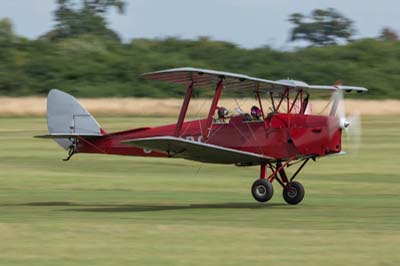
column 295, row 195
column 262, row 190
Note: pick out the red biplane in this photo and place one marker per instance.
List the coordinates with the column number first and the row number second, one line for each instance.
column 274, row 138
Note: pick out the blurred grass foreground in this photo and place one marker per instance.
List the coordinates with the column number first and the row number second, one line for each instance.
column 118, row 210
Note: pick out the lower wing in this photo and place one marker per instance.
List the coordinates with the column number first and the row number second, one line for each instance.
column 198, row 151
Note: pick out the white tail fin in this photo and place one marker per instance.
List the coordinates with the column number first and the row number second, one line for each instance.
column 66, row 116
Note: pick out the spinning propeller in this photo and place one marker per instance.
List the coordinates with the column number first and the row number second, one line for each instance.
column 350, row 125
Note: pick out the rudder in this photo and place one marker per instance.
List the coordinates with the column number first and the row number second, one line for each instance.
column 66, row 115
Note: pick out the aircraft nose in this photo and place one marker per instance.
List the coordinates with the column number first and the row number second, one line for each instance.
column 344, row 123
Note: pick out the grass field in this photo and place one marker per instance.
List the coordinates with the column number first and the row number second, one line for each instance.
column 110, row 210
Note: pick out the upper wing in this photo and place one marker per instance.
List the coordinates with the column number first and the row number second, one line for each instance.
column 198, row 151
column 205, row 77
column 340, row 87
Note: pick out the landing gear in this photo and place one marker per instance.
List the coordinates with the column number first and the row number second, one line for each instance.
column 293, row 192
column 262, row 190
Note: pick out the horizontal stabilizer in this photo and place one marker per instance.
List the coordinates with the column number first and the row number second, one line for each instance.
column 198, row 151
column 68, row 135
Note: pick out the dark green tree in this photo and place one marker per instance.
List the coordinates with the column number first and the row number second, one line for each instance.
column 74, row 18
column 6, row 34
column 11, row 76
column 388, row 34
column 322, row 27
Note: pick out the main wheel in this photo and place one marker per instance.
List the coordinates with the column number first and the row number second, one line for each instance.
column 295, row 194
column 262, row 190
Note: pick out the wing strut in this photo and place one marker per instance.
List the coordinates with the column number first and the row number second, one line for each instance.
column 217, row 95
column 262, row 109
column 184, row 108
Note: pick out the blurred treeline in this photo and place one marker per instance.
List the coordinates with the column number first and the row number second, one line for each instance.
column 91, row 65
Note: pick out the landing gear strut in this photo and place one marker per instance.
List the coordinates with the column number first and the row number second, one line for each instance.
column 293, row 191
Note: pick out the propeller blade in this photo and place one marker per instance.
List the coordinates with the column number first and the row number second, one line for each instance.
column 351, row 125
column 341, row 111
column 353, row 133
column 337, row 110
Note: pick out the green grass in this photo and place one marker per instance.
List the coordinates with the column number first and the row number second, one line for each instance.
column 114, row 210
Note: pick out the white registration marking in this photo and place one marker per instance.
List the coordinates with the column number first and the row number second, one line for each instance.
column 191, row 138
column 147, row 151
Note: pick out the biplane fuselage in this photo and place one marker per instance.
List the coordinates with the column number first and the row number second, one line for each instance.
column 280, row 136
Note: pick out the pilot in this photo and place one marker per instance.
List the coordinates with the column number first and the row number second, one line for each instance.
column 256, row 113
column 222, row 114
